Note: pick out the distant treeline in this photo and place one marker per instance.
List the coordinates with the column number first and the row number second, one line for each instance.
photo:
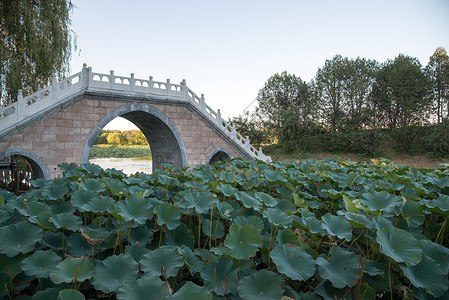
column 356, row 105
column 121, row 138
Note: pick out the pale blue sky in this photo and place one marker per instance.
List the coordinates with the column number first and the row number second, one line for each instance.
column 228, row 49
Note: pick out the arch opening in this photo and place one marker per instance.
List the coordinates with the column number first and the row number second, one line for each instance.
column 166, row 144
column 218, row 155
column 18, row 167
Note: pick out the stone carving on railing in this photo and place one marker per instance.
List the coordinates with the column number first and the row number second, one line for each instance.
column 58, row 92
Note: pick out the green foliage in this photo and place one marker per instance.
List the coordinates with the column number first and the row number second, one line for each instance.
column 106, row 151
column 437, row 139
column 121, row 138
column 237, row 229
column 35, row 42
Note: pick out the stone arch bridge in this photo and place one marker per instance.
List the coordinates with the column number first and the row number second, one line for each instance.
column 59, row 123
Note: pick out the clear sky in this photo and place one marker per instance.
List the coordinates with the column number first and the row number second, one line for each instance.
column 228, row 49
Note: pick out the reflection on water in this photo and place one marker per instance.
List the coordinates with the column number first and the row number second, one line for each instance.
column 127, row 165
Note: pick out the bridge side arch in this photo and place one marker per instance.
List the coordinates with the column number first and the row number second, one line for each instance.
column 166, row 143
column 38, row 166
column 217, row 155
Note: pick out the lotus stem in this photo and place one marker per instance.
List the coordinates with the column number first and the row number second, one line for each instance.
column 160, row 235
column 199, row 230
column 441, row 232
column 389, row 280
column 210, row 226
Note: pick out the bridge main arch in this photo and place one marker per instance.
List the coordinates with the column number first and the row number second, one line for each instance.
column 166, row 143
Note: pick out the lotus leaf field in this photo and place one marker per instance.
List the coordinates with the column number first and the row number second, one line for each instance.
column 329, row 229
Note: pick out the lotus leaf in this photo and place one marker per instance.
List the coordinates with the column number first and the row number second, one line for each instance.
column 217, row 228
column 19, row 238
column 55, row 189
column 70, row 294
column 81, row 198
column 358, row 220
column 140, row 235
column 181, row 235
column 293, row 261
column 439, row 204
column 191, row 260
column 400, row 245
column 220, row 276
column 341, row 269
column 147, row 287
column 99, row 204
column 227, row 177
column 40, row 264
column 113, row 272
column 135, row 209
column 10, row 266
column 261, row 285
column 66, row 221
column 191, row 291
column 277, row 217
column 309, row 219
column 168, row 257
column 72, row 269
column 243, row 240
column 136, row 251
column 78, row 246
column 92, row 169
column 200, row 201
column 226, row 210
column 49, row 293
column 286, row 236
column 116, row 186
column 169, row 215
column 248, row 200
column 437, row 252
column 254, row 220
column 429, row 275
column 273, row 176
column 93, row 185
column 337, row 225
column 381, row 201
column 227, row 189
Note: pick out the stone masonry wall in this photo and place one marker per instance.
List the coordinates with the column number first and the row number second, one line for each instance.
column 62, row 136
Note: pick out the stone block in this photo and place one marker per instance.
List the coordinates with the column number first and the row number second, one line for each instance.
column 65, row 123
column 64, row 138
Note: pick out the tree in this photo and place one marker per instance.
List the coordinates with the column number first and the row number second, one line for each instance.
column 401, row 98
column 248, row 126
column 283, row 100
column 343, row 87
column 437, row 71
column 35, row 42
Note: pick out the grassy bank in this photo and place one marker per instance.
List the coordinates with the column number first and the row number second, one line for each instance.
column 108, row 151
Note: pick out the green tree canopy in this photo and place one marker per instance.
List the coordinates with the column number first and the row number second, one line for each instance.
column 401, row 93
column 438, row 72
column 35, row 42
column 286, row 106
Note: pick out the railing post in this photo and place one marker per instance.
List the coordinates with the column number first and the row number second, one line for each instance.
column 247, row 144
column 184, row 88
column 20, row 106
column 85, row 76
column 203, row 102
column 89, row 76
column 168, row 86
column 54, row 87
column 219, row 121
column 132, row 82
column 111, row 79
column 150, row 84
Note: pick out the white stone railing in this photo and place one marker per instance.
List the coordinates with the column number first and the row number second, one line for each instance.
column 60, row 91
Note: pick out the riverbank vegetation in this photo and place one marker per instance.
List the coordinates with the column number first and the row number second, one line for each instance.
column 110, row 151
column 237, row 229
column 356, row 106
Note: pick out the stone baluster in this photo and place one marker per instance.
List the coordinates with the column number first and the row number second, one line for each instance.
column 85, row 76
column 90, row 76
column 168, row 86
column 219, row 120
column 203, row 103
column 132, row 82
column 184, row 88
column 233, row 132
column 111, row 79
column 247, row 143
column 150, row 84
column 20, row 105
column 54, row 87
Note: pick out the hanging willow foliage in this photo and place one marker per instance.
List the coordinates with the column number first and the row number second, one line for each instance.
column 35, row 42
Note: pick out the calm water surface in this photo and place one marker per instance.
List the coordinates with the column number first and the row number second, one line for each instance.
column 127, row 165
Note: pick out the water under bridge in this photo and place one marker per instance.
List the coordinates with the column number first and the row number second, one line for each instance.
column 59, row 123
